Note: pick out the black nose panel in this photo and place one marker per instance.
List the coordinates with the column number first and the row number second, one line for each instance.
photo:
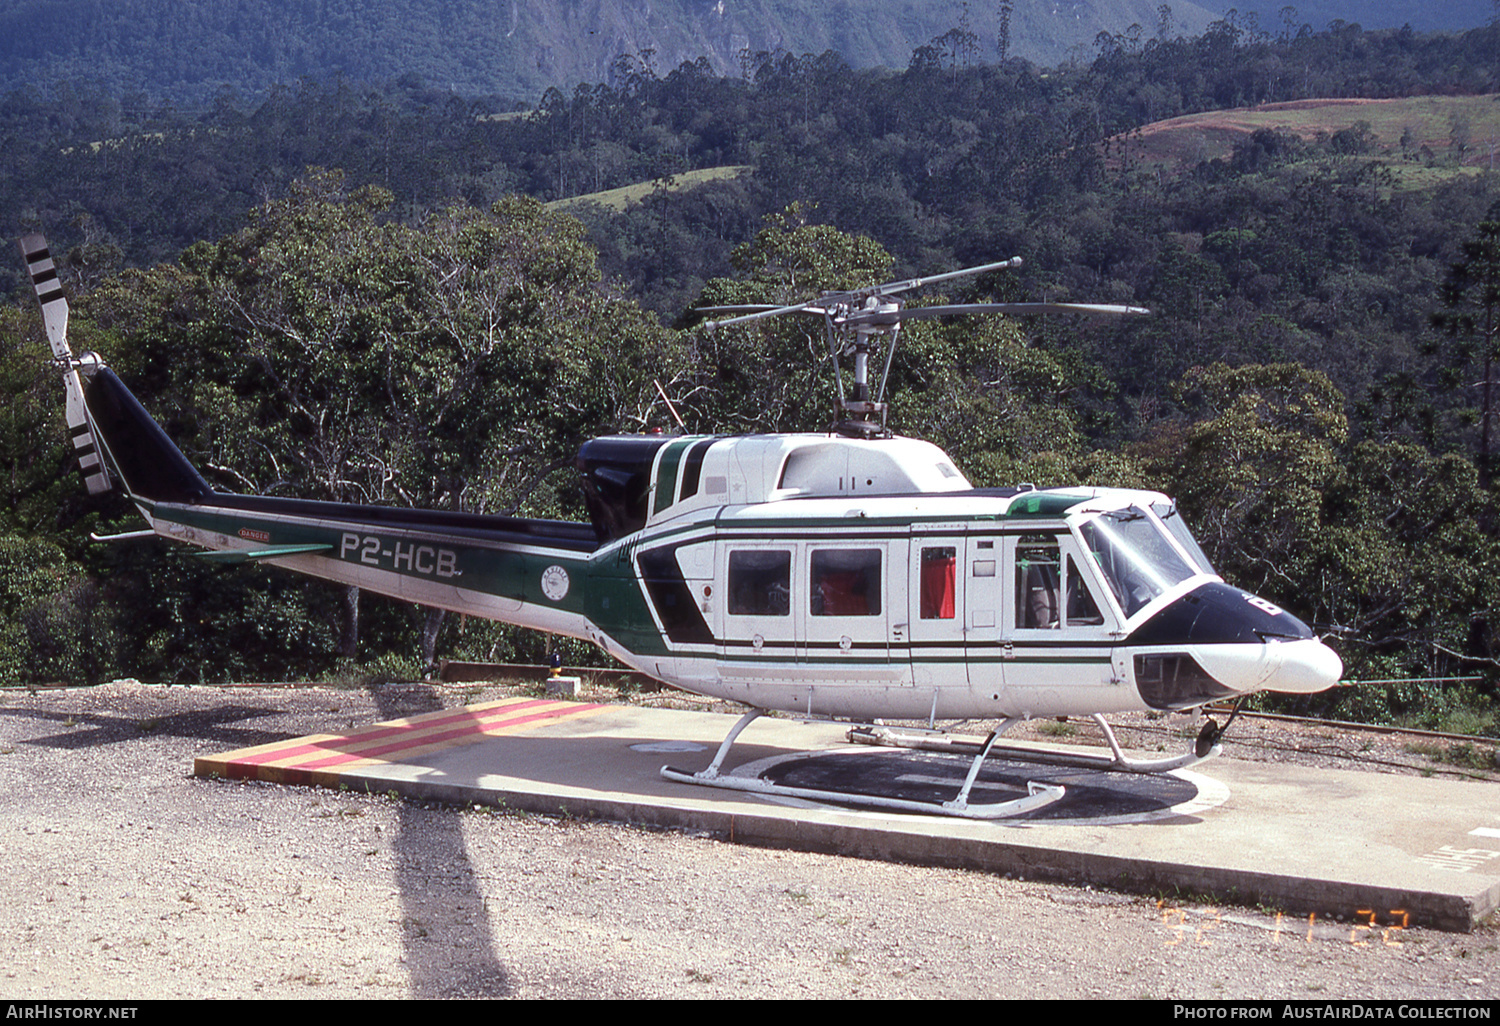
column 1218, row 614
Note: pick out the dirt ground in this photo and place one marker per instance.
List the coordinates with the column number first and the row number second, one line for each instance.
column 127, row 878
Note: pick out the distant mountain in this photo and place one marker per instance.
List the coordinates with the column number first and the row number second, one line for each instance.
column 1422, row 15
column 187, row 53
column 518, row 48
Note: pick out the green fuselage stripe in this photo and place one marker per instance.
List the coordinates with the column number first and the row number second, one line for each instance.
column 666, row 474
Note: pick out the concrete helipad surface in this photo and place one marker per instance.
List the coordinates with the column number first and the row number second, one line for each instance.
column 1373, row 848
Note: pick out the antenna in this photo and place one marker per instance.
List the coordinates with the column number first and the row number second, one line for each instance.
column 670, row 408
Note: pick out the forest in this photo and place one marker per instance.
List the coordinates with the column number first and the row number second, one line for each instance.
column 390, row 293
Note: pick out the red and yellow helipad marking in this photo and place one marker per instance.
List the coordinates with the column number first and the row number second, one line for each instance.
column 324, row 758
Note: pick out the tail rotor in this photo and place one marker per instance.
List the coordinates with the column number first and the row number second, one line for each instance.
column 49, row 293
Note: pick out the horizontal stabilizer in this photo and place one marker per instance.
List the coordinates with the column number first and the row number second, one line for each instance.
column 234, row 556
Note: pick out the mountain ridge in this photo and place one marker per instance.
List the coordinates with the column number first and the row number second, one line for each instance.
column 517, row 49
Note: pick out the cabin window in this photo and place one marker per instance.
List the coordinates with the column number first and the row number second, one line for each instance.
column 1083, row 611
column 845, row 582
column 939, row 584
column 760, row 583
column 1038, row 566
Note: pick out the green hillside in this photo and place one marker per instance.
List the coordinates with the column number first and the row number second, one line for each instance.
column 1292, row 388
column 620, row 199
column 1415, row 133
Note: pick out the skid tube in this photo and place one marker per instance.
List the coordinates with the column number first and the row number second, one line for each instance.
column 1038, row 795
column 1119, row 762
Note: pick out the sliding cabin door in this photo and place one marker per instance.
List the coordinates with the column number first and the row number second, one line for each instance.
column 937, row 586
column 757, row 622
column 812, row 624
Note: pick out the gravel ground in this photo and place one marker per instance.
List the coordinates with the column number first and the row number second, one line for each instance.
column 127, row 878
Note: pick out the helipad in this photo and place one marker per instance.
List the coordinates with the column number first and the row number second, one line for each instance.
column 1333, row 843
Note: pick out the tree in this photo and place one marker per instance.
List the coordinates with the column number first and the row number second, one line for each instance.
column 34, row 465
column 1251, row 472
column 1471, row 319
column 1381, row 542
column 774, row 375
column 1404, row 565
column 326, row 352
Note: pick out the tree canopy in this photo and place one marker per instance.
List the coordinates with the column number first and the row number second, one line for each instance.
column 409, row 330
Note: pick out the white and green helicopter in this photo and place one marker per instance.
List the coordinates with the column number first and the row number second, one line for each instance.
column 850, row 574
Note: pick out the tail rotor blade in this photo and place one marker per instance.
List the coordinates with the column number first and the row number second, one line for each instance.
column 48, row 292
column 84, row 446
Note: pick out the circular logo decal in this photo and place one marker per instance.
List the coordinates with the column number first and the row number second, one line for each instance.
column 555, row 582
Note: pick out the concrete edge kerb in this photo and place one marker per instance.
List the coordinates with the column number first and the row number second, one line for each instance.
column 1183, row 880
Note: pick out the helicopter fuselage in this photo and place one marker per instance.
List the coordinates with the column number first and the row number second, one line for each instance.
column 853, row 577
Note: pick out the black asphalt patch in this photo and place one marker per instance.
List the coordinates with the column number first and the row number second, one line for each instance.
column 934, row 778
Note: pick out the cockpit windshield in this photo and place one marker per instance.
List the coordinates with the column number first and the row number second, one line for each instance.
column 1172, row 520
column 1135, row 556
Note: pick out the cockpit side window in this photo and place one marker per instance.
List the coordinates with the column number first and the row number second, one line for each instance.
column 1083, row 611
column 1051, row 590
column 1038, row 566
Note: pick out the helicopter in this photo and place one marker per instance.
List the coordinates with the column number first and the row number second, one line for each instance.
column 851, row 574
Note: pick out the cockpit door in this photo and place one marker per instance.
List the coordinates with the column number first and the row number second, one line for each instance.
column 1059, row 628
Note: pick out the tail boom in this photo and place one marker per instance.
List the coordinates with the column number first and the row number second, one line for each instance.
column 491, row 567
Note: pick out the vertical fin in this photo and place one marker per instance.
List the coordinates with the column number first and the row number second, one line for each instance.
column 54, row 304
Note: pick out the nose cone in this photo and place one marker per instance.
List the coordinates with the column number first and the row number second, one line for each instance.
column 1299, row 666
column 1306, row 666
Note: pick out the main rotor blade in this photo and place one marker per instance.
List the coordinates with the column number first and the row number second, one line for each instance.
column 858, row 317
column 736, row 308
column 812, row 306
column 832, row 300
column 914, row 283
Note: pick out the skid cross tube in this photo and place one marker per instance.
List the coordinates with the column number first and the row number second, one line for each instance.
column 1037, row 795
column 1118, row 762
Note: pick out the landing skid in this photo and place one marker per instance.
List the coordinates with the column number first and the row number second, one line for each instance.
column 1206, row 748
column 1038, row 795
